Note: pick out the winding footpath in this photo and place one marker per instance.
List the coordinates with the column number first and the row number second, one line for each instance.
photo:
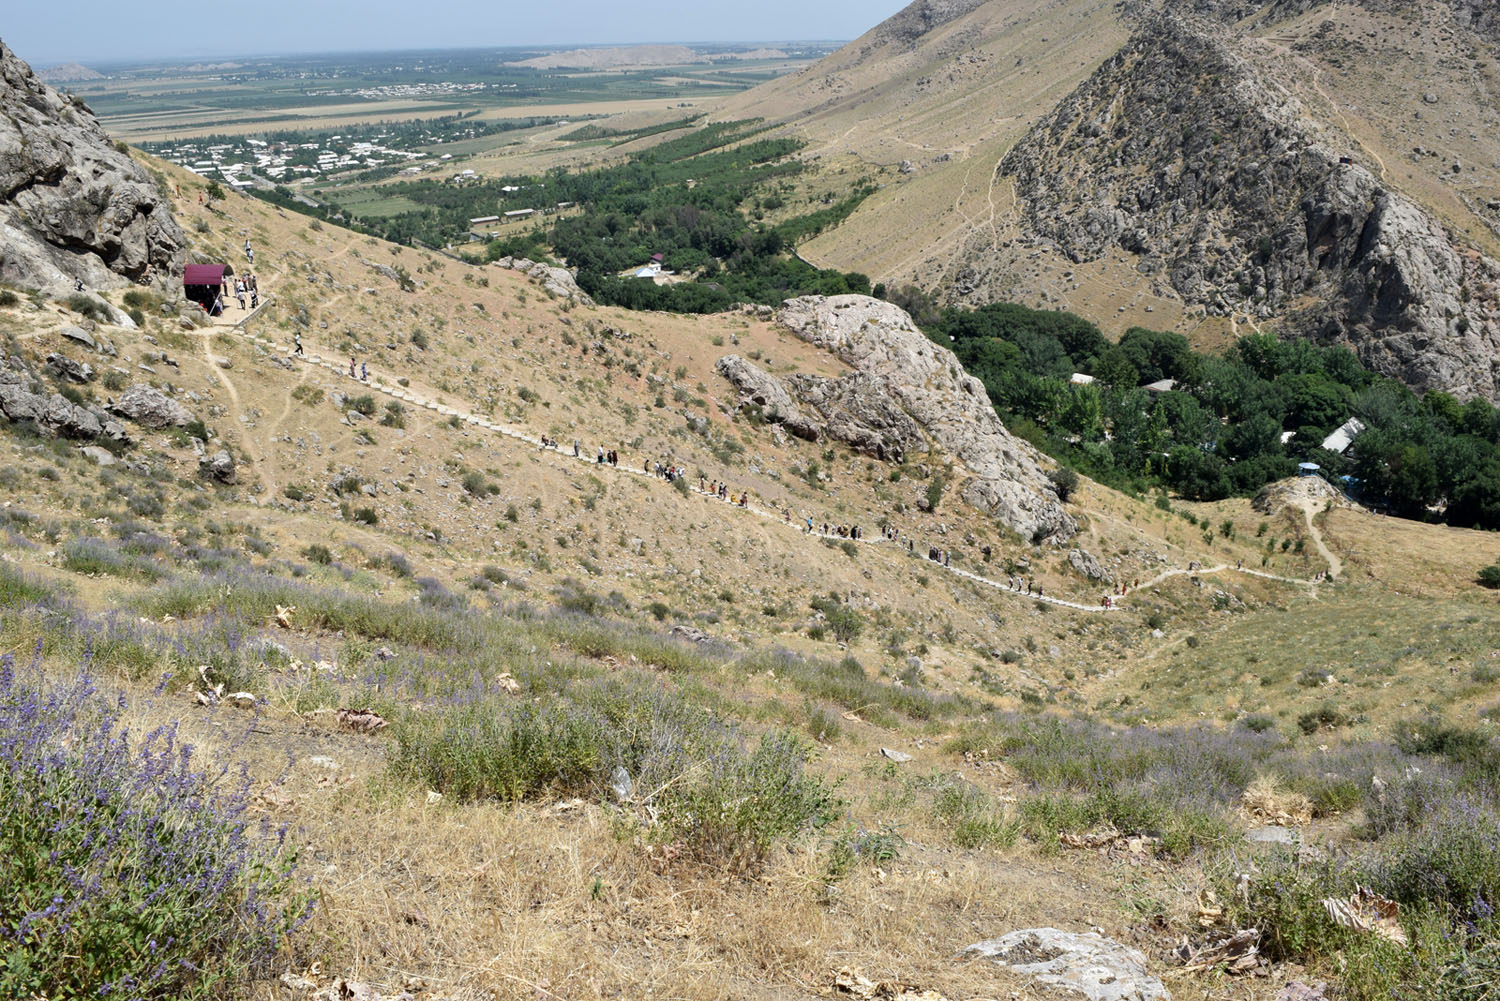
column 405, row 396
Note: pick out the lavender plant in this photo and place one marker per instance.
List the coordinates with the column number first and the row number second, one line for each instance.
column 124, row 872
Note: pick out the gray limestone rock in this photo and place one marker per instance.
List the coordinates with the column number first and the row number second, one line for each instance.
column 1075, row 965
column 219, row 466
column 72, row 206
column 80, row 336
column 54, row 415
column 1084, row 562
column 98, row 456
column 67, row 368
column 949, row 407
column 559, row 282
column 151, row 408
column 1179, row 151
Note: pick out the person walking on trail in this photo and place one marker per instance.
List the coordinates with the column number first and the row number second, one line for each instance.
column 351, row 369
column 600, row 460
column 239, row 291
column 299, row 343
column 575, row 448
column 364, row 373
column 248, row 252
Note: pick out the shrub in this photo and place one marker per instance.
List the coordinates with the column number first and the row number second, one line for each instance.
column 419, row 340
column 477, row 486
column 844, row 621
column 396, row 563
column 86, row 305
column 679, row 774
column 1490, row 576
column 364, row 404
column 293, row 492
column 89, row 555
column 934, row 492
column 318, row 553
column 365, row 515
column 1065, row 482
column 1258, row 723
column 1325, row 717
column 123, row 870
column 394, row 416
column 8, row 299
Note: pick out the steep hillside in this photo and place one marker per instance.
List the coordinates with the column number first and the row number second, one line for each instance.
column 1222, row 187
column 1404, row 92
column 521, row 723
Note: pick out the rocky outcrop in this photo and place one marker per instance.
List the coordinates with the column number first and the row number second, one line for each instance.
column 218, row 467
column 938, row 402
column 54, row 414
column 72, row 206
column 1179, row 151
column 558, row 282
column 1085, row 563
column 151, row 408
column 856, row 410
column 765, row 391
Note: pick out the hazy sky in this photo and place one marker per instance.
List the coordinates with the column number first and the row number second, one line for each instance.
column 100, row 30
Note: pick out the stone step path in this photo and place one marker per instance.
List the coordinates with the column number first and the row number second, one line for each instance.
column 406, row 396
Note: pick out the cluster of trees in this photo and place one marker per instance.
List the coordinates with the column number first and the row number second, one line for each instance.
column 1232, row 422
column 699, row 200
column 700, row 206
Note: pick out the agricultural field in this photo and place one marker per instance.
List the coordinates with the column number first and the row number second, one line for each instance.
column 167, row 102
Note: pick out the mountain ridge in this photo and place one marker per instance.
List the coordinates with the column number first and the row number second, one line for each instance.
column 1405, row 97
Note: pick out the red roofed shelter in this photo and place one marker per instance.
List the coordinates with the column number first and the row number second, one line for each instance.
column 204, row 284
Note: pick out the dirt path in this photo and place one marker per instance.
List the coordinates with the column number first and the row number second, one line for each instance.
column 777, row 515
column 1308, row 508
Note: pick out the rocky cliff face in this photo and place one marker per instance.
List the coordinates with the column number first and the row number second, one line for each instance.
column 905, row 393
column 71, row 205
column 1178, row 151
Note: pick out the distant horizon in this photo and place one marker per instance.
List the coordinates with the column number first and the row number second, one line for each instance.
column 93, row 31
column 244, row 57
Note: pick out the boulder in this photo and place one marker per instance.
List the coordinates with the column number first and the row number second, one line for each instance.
column 72, row 206
column 1084, row 562
column 80, row 336
column 690, row 633
column 98, row 456
column 219, row 466
column 151, row 408
column 1075, row 965
column 67, row 368
column 54, row 415
column 926, row 383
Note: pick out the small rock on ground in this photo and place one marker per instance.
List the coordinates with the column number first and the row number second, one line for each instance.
column 1077, row 965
